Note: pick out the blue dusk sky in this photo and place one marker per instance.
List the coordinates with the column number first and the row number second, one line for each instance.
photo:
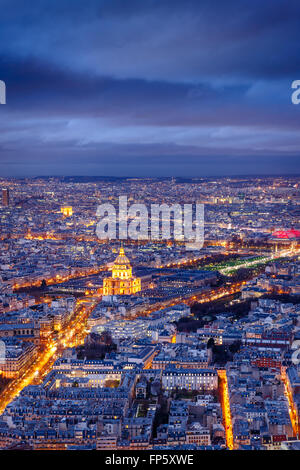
column 149, row 87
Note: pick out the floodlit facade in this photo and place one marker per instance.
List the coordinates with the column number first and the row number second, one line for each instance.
column 121, row 281
column 67, row 211
column 190, row 379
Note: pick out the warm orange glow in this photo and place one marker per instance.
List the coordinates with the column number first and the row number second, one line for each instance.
column 73, row 335
column 67, row 211
column 59, row 279
column 292, row 408
column 121, row 281
column 226, row 408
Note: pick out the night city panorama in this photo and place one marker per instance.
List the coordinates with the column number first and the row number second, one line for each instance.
column 150, row 228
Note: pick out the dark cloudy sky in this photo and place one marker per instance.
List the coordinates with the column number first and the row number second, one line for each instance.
column 149, row 87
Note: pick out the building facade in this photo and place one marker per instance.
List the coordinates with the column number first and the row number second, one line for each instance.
column 121, row 281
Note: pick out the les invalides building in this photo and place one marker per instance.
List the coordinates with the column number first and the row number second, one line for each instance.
column 121, row 281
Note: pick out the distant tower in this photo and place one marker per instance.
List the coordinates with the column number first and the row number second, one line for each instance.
column 5, row 197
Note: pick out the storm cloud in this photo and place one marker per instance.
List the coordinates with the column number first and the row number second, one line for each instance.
column 149, row 87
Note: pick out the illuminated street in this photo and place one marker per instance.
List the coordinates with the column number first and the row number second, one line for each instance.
column 73, row 335
column 292, row 407
column 225, row 402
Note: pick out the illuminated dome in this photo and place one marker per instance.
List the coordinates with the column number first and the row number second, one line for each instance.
column 286, row 234
column 122, row 259
column 122, row 268
column 121, row 281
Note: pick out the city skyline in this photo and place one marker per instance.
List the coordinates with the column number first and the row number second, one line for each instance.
column 143, row 344
column 149, row 89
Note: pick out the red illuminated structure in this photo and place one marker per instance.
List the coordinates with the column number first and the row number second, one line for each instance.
column 286, row 234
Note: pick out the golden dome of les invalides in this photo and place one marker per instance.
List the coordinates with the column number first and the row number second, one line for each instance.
column 121, row 281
